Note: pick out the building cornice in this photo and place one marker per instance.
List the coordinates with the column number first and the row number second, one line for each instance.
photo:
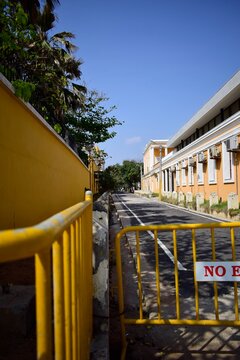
column 155, row 144
column 223, row 131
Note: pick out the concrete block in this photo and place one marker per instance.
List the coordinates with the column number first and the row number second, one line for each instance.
column 169, row 194
column 199, row 200
column 175, row 195
column 180, row 197
column 213, row 199
column 233, row 201
column 189, row 197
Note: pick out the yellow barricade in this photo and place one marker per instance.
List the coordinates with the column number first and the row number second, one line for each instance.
column 156, row 231
column 62, row 246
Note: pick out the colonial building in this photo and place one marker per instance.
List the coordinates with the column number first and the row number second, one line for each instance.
column 153, row 154
column 204, row 157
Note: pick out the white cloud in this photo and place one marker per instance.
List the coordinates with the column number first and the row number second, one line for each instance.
column 133, row 140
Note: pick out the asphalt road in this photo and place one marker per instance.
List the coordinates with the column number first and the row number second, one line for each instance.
column 134, row 210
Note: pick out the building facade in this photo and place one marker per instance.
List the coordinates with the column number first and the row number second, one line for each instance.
column 153, row 154
column 202, row 158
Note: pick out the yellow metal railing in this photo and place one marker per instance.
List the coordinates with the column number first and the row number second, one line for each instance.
column 62, row 246
column 177, row 320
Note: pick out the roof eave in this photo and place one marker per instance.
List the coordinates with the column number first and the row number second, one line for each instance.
column 229, row 92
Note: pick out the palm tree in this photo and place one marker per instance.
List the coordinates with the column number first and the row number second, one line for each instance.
column 43, row 17
column 58, row 68
column 48, row 62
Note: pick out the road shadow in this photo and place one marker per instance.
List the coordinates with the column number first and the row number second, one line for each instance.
column 174, row 342
column 177, row 342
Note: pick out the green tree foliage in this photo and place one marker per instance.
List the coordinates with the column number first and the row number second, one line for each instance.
column 90, row 124
column 23, row 89
column 42, row 16
column 125, row 176
column 131, row 172
column 29, row 54
column 44, row 71
column 15, row 37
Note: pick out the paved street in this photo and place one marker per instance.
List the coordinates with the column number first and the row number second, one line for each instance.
column 134, row 210
column 174, row 342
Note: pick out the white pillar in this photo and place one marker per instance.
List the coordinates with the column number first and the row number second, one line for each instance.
column 170, row 180
column 151, row 158
column 166, row 180
column 162, row 175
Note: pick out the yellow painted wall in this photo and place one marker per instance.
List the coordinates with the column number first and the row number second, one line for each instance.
column 150, row 183
column 144, row 185
column 157, row 152
column 40, row 175
column 222, row 189
column 155, row 183
column 146, row 161
column 94, row 184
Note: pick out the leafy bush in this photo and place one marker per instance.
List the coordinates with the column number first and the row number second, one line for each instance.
column 164, row 198
column 221, row 207
column 205, row 206
column 184, row 202
column 174, row 202
column 233, row 212
column 23, row 89
column 192, row 204
column 169, row 200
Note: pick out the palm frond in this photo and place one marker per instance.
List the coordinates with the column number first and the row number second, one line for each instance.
column 80, row 88
column 64, row 35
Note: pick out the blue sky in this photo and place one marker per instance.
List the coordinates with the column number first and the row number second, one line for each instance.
column 158, row 61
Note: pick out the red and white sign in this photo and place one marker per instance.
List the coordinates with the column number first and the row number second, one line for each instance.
column 218, row 271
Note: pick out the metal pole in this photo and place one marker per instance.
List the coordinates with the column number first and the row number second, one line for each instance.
column 141, row 174
column 160, row 173
column 90, row 172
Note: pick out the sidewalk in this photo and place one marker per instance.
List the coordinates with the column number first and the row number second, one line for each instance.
column 149, row 197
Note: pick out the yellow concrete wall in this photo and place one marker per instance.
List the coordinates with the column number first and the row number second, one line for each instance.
column 94, row 184
column 155, row 184
column 169, row 150
column 157, row 152
column 151, row 183
column 40, row 175
column 222, row 189
column 146, row 161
